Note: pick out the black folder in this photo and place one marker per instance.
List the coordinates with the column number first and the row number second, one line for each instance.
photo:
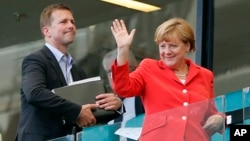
column 85, row 93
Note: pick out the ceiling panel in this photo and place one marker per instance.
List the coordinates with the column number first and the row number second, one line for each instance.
column 26, row 28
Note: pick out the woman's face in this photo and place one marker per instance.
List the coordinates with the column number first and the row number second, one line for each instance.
column 173, row 52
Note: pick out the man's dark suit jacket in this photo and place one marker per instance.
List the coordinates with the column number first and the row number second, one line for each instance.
column 139, row 109
column 45, row 115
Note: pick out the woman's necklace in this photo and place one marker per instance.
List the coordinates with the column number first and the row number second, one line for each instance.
column 181, row 75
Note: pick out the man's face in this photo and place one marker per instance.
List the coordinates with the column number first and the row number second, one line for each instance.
column 62, row 29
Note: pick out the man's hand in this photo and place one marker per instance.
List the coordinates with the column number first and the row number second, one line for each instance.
column 86, row 117
column 108, row 101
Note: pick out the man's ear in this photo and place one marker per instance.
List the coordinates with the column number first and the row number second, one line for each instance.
column 45, row 31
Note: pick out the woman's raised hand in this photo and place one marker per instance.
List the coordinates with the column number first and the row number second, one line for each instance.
column 122, row 37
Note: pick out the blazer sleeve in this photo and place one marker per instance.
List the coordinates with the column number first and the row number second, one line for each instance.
column 38, row 79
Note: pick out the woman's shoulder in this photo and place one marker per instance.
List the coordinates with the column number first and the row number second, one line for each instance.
column 148, row 61
column 152, row 63
column 202, row 69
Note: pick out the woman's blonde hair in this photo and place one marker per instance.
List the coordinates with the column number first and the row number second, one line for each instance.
column 175, row 27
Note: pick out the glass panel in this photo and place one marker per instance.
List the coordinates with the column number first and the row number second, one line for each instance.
column 91, row 44
column 186, row 123
column 230, row 64
column 99, row 133
column 246, row 105
column 220, row 104
column 66, row 138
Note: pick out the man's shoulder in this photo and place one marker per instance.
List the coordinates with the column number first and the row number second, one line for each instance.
column 38, row 54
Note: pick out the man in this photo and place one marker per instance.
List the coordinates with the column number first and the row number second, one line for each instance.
column 45, row 115
column 133, row 105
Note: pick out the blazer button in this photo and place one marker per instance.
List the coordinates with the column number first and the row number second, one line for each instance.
column 185, row 104
column 184, row 91
column 184, row 118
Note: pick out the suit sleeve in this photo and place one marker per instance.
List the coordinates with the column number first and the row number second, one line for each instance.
column 36, row 91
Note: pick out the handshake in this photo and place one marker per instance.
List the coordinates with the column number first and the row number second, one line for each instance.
column 107, row 101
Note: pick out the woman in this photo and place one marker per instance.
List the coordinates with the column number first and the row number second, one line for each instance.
column 176, row 93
